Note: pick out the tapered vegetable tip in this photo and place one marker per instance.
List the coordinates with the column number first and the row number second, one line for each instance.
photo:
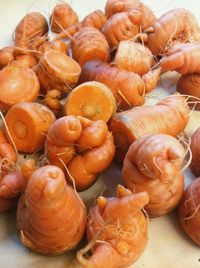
column 51, row 218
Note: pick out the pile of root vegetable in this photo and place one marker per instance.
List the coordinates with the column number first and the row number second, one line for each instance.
column 76, row 101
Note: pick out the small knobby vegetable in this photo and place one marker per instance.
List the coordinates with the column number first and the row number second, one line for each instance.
column 95, row 19
column 127, row 87
column 57, row 70
column 52, row 100
column 182, row 58
column 92, row 100
column 118, row 6
column 51, row 217
column 31, row 28
column 169, row 116
column 189, row 211
column 133, row 57
column 167, row 31
column 62, row 17
column 90, row 44
column 116, row 230
column 28, row 123
column 121, row 26
column 83, row 147
column 154, row 164
column 195, row 147
column 17, row 84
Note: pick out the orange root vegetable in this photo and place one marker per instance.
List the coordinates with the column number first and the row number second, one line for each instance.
column 91, row 163
column 95, row 19
column 58, row 45
column 52, row 100
column 127, row 87
column 17, row 84
column 28, row 123
column 7, row 151
column 117, row 6
column 90, row 44
column 189, row 84
column 6, row 56
column 153, row 164
column 167, row 31
column 182, row 58
column 27, row 169
column 57, row 70
column 30, row 28
column 62, row 17
column 116, row 231
column 51, row 218
column 11, row 184
column 92, row 100
column 7, row 204
column 195, row 148
column 169, row 116
column 60, row 140
column 121, row 26
column 133, row 57
column 90, row 140
column 151, row 79
column 189, row 212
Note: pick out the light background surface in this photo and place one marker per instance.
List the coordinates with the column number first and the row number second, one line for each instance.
column 168, row 247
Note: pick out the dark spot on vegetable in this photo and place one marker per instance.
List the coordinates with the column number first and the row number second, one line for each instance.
column 25, row 156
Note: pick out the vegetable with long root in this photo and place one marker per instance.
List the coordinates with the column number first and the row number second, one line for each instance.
column 169, row 116
column 90, row 44
column 189, row 211
column 83, row 147
column 176, row 26
column 92, row 100
column 195, row 148
column 28, row 124
column 182, row 58
column 62, row 17
column 31, row 28
column 117, row 6
column 127, row 87
column 51, row 217
column 117, row 230
column 154, row 164
column 17, row 84
column 95, row 19
column 57, row 70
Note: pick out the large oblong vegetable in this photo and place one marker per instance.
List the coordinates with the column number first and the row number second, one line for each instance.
column 127, row 87
column 90, row 44
column 195, row 148
column 153, row 164
column 167, row 31
column 57, row 70
column 189, row 214
column 116, row 231
column 92, row 100
column 28, row 123
column 17, row 84
column 51, row 218
column 169, row 116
